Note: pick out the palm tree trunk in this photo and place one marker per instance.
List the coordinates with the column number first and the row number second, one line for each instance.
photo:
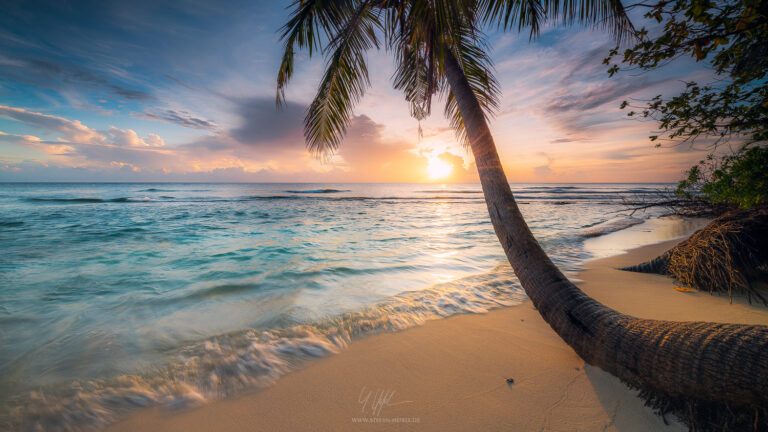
column 657, row 265
column 691, row 361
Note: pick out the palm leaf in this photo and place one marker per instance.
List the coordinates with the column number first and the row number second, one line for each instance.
column 420, row 33
column 344, row 82
column 412, row 76
column 309, row 23
column 607, row 14
column 470, row 52
column 429, row 30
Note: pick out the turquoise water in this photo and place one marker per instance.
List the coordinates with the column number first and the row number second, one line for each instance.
column 115, row 296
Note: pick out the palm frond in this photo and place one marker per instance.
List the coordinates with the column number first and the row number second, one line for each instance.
column 344, row 82
column 412, row 76
column 420, row 33
column 411, row 35
column 470, row 51
column 523, row 13
column 310, row 21
column 428, row 30
column 605, row 14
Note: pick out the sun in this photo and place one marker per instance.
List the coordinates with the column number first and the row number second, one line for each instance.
column 438, row 168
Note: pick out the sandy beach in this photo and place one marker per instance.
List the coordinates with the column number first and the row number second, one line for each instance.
column 247, row 216
column 452, row 374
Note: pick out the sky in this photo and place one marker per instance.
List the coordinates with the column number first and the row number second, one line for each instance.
column 184, row 90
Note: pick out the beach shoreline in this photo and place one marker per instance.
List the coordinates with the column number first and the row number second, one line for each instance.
column 452, row 374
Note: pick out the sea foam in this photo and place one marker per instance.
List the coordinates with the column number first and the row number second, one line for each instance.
column 229, row 364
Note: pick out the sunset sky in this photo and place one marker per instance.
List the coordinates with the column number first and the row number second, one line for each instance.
column 184, row 91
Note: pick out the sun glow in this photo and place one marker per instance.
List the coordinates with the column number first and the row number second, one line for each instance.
column 438, row 168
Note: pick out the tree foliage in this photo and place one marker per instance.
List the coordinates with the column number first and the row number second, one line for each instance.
column 732, row 37
column 740, row 179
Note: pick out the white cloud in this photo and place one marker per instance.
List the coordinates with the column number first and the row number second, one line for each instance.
column 72, row 130
column 129, row 138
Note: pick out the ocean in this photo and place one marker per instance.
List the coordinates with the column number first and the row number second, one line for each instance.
column 119, row 296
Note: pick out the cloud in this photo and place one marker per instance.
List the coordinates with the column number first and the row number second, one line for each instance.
column 545, row 171
column 13, row 138
column 181, row 118
column 77, row 144
column 365, row 151
column 565, row 140
column 626, row 153
column 588, row 63
column 566, row 88
column 436, row 131
column 542, row 171
column 179, row 82
column 365, row 155
column 129, row 138
column 595, row 96
column 368, row 155
column 590, row 104
column 462, row 170
column 72, row 130
column 264, row 136
column 35, row 143
column 61, row 76
column 242, row 153
column 262, row 122
column 77, row 133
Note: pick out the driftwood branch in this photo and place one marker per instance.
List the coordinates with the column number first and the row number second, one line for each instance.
column 683, row 206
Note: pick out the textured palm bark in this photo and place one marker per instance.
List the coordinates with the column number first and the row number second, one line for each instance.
column 704, row 361
column 657, row 265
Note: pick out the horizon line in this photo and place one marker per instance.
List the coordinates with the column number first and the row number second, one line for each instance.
column 236, row 182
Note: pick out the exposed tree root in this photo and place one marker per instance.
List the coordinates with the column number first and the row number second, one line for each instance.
column 730, row 255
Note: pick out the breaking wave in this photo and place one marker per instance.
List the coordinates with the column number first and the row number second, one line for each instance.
column 229, row 364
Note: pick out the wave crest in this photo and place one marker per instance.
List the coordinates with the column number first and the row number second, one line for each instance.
column 229, row 364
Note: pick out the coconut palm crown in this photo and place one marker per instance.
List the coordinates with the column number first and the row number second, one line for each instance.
column 421, row 35
column 714, row 376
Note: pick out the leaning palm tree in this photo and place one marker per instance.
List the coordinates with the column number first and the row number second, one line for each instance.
column 709, row 374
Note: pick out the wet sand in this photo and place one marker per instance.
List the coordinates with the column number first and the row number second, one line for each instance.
column 452, row 374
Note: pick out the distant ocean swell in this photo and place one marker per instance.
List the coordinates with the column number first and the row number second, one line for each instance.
column 565, row 198
column 229, row 364
column 317, row 191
